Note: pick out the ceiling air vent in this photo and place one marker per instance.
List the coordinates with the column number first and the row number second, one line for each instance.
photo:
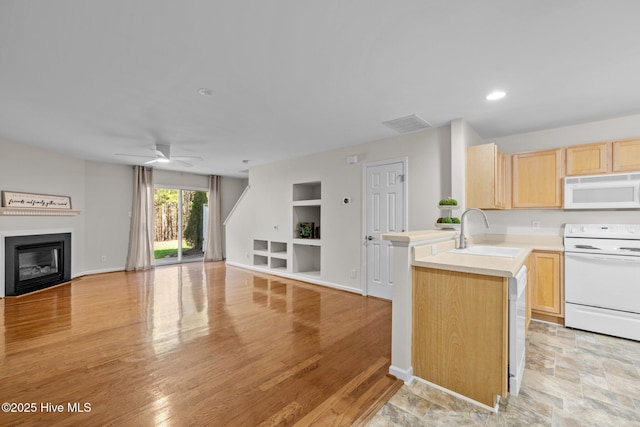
column 407, row 124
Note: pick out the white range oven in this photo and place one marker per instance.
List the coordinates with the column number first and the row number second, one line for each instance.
column 602, row 278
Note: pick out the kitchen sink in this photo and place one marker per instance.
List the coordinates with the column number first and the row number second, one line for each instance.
column 502, row 251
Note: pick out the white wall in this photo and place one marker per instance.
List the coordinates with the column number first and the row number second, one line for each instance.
column 33, row 170
column 109, row 190
column 266, row 212
column 598, row 131
column 186, row 181
column 230, row 191
column 518, row 221
column 462, row 136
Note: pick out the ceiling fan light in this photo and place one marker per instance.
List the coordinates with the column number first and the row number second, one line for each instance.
column 494, row 96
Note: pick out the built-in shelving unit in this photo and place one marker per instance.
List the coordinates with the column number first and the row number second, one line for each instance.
column 301, row 255
column 270, row 254
column 307, row 210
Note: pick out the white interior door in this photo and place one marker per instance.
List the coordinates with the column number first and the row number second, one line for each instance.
column 384, row 213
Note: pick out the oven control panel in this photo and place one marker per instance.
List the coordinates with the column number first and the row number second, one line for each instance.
column 603, row 231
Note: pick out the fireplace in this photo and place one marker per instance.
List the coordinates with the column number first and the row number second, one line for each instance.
column 36, row 262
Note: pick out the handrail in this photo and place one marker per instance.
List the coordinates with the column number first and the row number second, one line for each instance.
column 236, row 205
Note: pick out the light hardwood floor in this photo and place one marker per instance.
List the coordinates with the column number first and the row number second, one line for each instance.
column 196, row 344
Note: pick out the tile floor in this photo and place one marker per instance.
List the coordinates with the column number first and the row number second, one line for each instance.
column 572, row 378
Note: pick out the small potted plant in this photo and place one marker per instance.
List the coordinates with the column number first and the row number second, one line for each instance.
column 448, row 202
column 305, row 230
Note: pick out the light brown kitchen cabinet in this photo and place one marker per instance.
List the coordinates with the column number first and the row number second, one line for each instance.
column 537, row 179
column 486, row 177
column 460, row 332
column 589, row 159
column 626, row 155
column 547, row 286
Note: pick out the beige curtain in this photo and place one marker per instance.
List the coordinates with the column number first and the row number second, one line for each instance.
column 140, row 256
column 213, row 245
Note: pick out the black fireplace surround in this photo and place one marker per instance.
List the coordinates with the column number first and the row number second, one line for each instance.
column 36, row 262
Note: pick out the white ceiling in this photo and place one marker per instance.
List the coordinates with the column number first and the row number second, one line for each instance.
column 293, row 77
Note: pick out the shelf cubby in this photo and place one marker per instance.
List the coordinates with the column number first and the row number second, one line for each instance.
column 279, row 248
column 278, row 263
column 260, row 245
column 307, row 191
column 307, row 214
column 260, row 260
column 306, row 259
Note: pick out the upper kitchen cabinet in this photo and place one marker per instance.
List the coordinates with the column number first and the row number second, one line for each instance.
column 487, row 177
column 626, row 155
column 589, row 159
column 537, row 179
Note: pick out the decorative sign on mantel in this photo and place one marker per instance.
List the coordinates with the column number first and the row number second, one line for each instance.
column 12, row 199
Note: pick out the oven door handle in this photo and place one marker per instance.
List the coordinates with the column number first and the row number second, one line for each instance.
column 621, row 258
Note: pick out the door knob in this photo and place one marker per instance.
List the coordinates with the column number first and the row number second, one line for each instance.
column 369, row 237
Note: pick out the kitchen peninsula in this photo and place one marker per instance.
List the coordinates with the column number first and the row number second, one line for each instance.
column 454, row 333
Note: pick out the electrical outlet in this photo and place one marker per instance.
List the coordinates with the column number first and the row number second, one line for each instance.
column 434, row 249
column 103, row 258
column 535, row 224
column 354, row 274
column 246, row 255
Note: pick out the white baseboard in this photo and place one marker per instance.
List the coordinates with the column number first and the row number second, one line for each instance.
column 300, row 277
column 89, row 272
column 405, row 375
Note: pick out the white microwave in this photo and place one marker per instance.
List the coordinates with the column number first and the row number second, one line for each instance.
column 610, row 191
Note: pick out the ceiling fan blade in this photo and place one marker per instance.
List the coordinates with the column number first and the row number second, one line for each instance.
column 189, row 165
column 194, row 158
column 136, row 155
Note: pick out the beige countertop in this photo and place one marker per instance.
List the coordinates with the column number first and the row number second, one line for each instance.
column 437, row 255
column 419, row 235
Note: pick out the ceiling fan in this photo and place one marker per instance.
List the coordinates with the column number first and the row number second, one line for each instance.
column 163, row 155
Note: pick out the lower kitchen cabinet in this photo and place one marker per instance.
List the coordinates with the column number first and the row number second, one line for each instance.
column 546, row 286
column 460, row 332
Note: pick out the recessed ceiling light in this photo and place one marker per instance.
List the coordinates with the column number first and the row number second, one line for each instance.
column 204, row 91
column 162, row 160
column 498, row 94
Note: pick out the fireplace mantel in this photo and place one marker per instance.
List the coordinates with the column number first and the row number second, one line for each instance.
column 38, row 212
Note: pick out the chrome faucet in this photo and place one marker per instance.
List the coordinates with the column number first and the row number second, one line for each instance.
column 463, row 240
